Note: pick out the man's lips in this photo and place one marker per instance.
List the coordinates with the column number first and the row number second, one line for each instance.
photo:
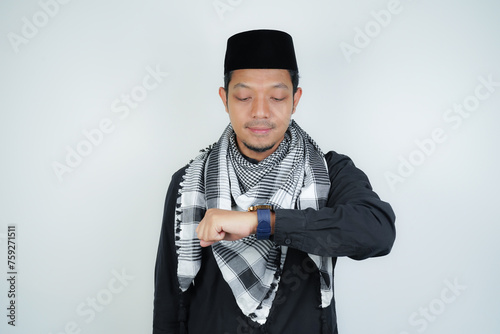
column 259, row 131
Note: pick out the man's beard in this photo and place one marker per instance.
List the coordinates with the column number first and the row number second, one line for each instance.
column 259, row 149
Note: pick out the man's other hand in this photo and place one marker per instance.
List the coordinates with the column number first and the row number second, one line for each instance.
column 228, row 225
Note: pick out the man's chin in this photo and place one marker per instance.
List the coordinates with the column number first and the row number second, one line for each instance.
column 259, row 149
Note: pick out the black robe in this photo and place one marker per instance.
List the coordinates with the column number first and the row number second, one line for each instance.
column 355, row 223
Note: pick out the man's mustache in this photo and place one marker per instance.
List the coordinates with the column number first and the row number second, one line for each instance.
column 260, row 124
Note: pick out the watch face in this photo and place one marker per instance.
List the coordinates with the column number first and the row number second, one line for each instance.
column 262, row 206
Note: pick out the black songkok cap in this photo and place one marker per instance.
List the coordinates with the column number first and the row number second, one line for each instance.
column 260, row 49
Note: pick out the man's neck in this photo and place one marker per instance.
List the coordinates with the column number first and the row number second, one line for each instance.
column 254, row 161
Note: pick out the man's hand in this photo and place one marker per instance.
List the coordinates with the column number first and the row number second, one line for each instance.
column 229, row 225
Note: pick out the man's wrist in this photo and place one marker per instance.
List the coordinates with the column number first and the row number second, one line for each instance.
column 264, row 214
column 264, row 224
column 255, row 221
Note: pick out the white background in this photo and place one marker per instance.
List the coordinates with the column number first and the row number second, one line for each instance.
column 77, row 231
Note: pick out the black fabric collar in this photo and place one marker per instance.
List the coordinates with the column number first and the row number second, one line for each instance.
column 251, row 160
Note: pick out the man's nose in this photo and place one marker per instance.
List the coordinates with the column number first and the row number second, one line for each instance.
column 260, row 108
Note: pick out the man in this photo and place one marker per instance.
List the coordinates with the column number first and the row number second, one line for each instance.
column 253, row 226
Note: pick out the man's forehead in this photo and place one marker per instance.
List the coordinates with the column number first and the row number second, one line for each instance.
column 269, row 78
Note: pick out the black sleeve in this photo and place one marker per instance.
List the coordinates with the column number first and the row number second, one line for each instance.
column 167, row 314
column 355, row 222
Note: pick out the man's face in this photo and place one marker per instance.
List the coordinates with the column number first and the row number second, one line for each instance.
column 260, row 103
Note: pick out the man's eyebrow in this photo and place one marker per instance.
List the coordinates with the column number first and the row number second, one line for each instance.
column 280, row 85
column 243, row 85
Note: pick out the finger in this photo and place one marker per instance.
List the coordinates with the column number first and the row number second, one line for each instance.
column 206, row 243
column 207, row 240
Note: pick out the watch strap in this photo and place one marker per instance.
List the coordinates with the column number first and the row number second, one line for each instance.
column 264, row 224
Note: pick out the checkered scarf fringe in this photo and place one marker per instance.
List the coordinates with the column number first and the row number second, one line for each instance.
column 293, row 176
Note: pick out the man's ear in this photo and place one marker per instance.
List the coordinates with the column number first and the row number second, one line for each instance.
column 296, row 98
column 223, row 96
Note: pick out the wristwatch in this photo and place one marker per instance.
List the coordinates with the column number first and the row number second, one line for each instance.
column 264, row 220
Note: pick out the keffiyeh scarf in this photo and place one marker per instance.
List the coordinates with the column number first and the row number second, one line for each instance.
column 294, row 176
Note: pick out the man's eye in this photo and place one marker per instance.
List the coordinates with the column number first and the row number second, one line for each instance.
column 242, row 98
column 278, row 100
